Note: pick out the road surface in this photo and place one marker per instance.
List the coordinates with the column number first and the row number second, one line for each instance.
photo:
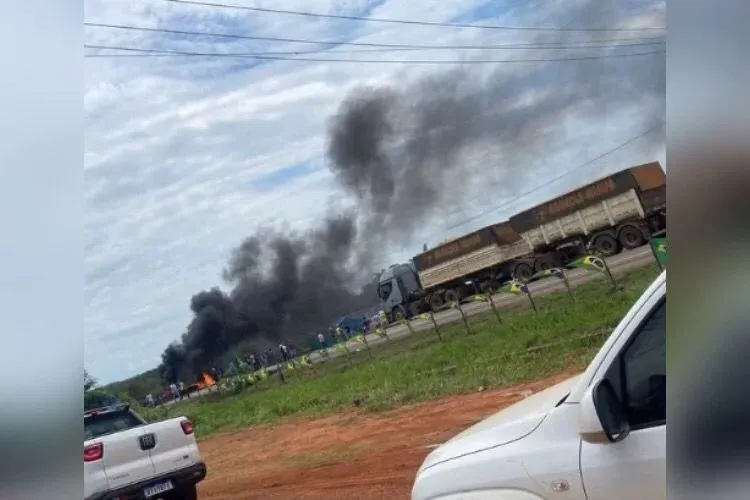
column 620, row 263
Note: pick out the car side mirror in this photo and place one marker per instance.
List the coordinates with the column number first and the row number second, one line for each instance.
column 603, row 418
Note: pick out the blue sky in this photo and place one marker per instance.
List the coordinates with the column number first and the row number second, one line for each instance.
column 185, row 157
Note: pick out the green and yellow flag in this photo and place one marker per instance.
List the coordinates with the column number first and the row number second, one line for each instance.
column 305, row 360
column 424, row 316
column 590, row 262
column 261, row 374
column 515, row 287
column 659, row 249
column 360, row 338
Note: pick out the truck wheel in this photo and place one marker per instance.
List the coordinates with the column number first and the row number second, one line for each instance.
column 544, row 262
column 487, row 286
column 631, row 237
column 523, row 271
column 452, row 296
column 436, row 302
column 606, row 245
column 398, row 313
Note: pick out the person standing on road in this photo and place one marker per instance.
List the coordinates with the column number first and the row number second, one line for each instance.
column 284, row 352
column 182, row 389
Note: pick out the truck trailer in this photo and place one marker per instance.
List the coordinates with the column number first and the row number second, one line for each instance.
column 620, row 211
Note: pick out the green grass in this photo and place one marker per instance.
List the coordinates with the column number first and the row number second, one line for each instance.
column 420, row 367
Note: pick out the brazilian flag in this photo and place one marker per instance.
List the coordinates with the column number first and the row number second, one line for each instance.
column 515, row 287
column 590, row 262
column 305, row 360
column 659, row 249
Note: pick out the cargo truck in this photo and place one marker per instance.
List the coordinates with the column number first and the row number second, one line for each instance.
column 620, row 211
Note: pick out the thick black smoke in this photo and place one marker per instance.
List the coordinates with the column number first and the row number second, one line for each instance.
column 408, row 153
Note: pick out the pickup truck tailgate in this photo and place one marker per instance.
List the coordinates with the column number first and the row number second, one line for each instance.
column 125, row 461
column 175, row 449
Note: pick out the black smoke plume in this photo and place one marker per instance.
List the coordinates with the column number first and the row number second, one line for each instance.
column 410, row 153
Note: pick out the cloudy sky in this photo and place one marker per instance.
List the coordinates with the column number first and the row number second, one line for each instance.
column 186, row 155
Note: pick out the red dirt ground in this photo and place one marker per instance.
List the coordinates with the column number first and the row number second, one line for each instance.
column 348, row 455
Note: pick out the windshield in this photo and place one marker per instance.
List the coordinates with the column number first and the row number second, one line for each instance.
column 107, row 423
column 384, row 290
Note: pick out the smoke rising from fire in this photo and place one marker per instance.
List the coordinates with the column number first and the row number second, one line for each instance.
column 401, row 154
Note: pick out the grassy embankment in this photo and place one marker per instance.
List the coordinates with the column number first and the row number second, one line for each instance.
column 524, row 346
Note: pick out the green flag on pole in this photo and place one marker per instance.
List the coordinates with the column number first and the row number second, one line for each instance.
column 659, row 249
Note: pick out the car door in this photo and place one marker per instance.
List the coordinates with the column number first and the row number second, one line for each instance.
column 635, row 468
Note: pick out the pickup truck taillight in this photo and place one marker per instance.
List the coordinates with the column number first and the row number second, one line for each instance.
column 187, row 426
column 93, row 452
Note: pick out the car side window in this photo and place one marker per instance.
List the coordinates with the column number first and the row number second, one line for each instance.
column 640, row 372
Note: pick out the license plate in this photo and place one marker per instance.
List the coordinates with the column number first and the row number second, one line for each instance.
column 157, row 488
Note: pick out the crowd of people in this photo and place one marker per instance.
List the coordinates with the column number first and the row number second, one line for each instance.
column 252, row 361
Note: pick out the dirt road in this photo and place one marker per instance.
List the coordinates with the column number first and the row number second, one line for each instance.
column 348, row 455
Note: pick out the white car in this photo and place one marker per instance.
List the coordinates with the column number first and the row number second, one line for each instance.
column 126, row 458
column 597, row 436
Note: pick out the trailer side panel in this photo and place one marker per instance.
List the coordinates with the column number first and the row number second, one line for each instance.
column 452, row 249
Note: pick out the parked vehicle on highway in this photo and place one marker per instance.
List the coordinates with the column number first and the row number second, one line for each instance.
column 618, row 212
column 597, row 436
column 124, row 457
column 350, row 323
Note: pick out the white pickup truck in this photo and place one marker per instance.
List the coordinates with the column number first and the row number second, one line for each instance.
column 126, row 458
column 597, row 436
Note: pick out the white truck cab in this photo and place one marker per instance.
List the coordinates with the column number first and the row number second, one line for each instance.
column 600, row 435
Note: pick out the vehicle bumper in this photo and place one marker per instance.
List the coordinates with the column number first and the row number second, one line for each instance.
column 181, row 478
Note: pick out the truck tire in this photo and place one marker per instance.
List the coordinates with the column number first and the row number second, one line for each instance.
column 452, row 295
column 523, row 271
column 631, row 237
column 398, row 313
column 488, row 286
column 606, row 245
column 435, row 302
column 544, row 262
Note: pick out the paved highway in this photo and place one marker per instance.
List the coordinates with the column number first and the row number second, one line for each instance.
column 618, row 264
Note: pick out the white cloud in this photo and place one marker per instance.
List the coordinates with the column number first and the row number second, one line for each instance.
column 186, row 156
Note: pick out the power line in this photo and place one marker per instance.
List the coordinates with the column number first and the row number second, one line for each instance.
column 551, row 181
column 164, row 52
column 406, row 21
column 234, row 36
column 379, row 50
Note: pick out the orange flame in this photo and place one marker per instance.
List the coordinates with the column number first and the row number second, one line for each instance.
column 208, row 379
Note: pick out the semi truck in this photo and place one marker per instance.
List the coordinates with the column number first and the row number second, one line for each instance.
column 620, row 211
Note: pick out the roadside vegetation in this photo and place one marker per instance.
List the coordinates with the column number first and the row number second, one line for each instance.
column 524, row 346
